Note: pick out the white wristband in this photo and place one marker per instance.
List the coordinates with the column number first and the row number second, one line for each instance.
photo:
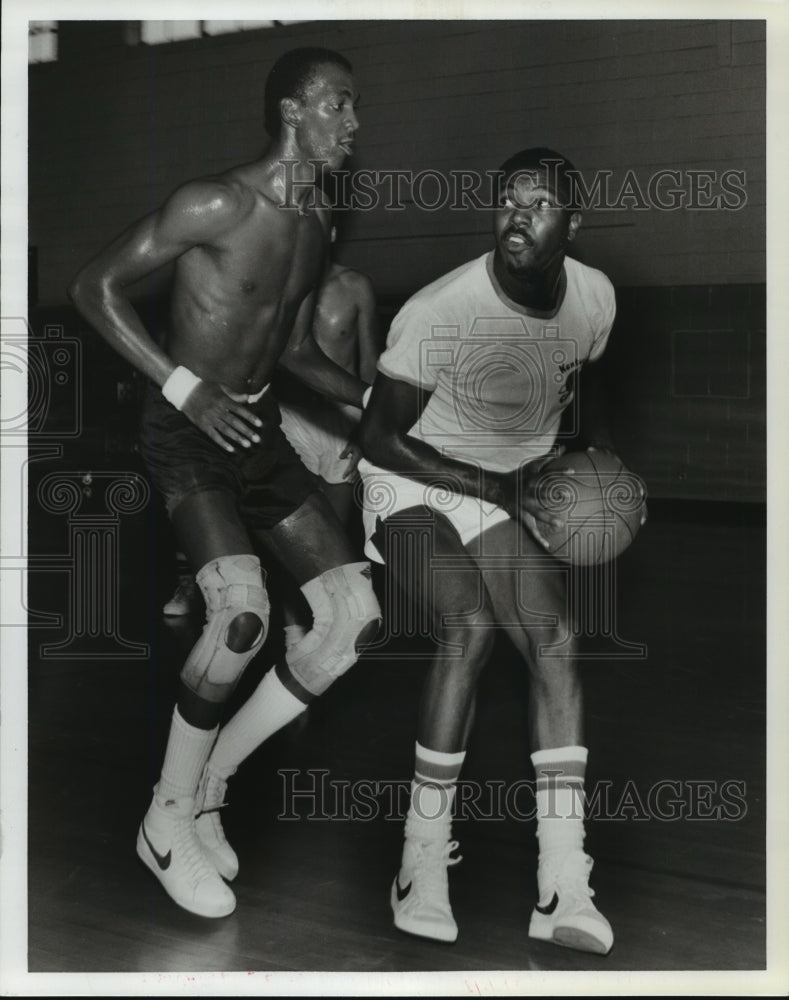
column 179, row 386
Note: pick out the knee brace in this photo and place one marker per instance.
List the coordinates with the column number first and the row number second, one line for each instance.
column 237, row 617
column 346, row 615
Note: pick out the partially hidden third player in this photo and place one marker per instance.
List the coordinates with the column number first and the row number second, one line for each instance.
column 346, row 328
column 322, row 431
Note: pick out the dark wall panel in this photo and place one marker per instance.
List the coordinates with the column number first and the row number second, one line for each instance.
column 688, row 368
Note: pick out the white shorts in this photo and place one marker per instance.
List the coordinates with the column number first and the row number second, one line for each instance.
column 319, row 436
column 385, row 493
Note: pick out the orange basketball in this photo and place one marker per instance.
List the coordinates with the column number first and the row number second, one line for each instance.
column 601, row 502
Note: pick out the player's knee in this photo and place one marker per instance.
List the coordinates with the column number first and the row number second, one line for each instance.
column 237, row 615
column 367, row 634
column 346, row 617
column 244, row 632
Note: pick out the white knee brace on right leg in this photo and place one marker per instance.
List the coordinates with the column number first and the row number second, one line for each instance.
column 232, row 586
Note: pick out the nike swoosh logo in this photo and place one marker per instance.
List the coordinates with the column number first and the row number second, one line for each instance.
column 548, row 910
column 162, row 860
column 402, row 893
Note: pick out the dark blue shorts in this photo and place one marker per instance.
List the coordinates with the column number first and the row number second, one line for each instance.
column 268, row 480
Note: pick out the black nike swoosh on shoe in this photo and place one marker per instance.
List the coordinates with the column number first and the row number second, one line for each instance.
column 402, row 893
column 548, row 910
column 162, row 860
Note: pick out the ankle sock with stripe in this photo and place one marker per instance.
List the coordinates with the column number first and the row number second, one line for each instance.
column 560, row 774
column 433, row 793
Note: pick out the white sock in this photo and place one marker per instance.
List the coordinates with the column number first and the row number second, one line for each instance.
column 187, row 751
column 560, row 773
column 432, row 795
column 270, row 707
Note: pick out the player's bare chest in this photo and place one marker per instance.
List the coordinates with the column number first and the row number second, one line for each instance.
column 273, row 253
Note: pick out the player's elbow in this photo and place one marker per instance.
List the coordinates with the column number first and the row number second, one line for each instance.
column 84, row 290
column 76, row 290
column 297, row 359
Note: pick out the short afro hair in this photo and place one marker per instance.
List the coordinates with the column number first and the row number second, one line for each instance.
column 542, row 159
column 290, row 76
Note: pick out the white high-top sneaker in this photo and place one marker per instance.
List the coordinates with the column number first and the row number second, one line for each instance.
column 211, row 798
column 565, row 913
column 420, row 891
column 168, row 844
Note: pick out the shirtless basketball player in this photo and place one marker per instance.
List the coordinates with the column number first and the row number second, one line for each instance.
column 249, row 248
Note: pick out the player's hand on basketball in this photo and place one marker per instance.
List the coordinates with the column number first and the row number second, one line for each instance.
column 532, row 513
column 353, row 453
column 521, row 501
column 228, row 423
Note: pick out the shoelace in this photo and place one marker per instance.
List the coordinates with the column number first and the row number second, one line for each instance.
column 188, row 847
column 214, row 794
column 431, row 863
column 572, row 878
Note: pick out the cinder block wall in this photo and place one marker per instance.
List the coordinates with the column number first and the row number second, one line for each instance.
column 115, row 127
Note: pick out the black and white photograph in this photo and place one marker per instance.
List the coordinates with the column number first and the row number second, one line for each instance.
column 391, row 558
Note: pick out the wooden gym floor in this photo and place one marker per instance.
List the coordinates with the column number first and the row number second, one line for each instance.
column 684, row 892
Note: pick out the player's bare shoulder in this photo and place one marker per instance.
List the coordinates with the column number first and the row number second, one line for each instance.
column 356, row 285
column 212, row 206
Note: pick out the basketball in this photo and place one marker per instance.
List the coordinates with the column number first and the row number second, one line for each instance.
column 601, row 502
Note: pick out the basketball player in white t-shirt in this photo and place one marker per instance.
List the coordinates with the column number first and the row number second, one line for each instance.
column 466, row 407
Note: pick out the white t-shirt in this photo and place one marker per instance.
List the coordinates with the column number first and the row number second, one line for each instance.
column 498, row 375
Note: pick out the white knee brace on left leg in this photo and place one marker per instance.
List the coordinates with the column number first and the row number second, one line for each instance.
column 346, row 614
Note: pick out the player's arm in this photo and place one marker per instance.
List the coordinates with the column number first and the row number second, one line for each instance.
column 199, row 213
column 368, row 329
column 392, row 410
column 304, row 359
